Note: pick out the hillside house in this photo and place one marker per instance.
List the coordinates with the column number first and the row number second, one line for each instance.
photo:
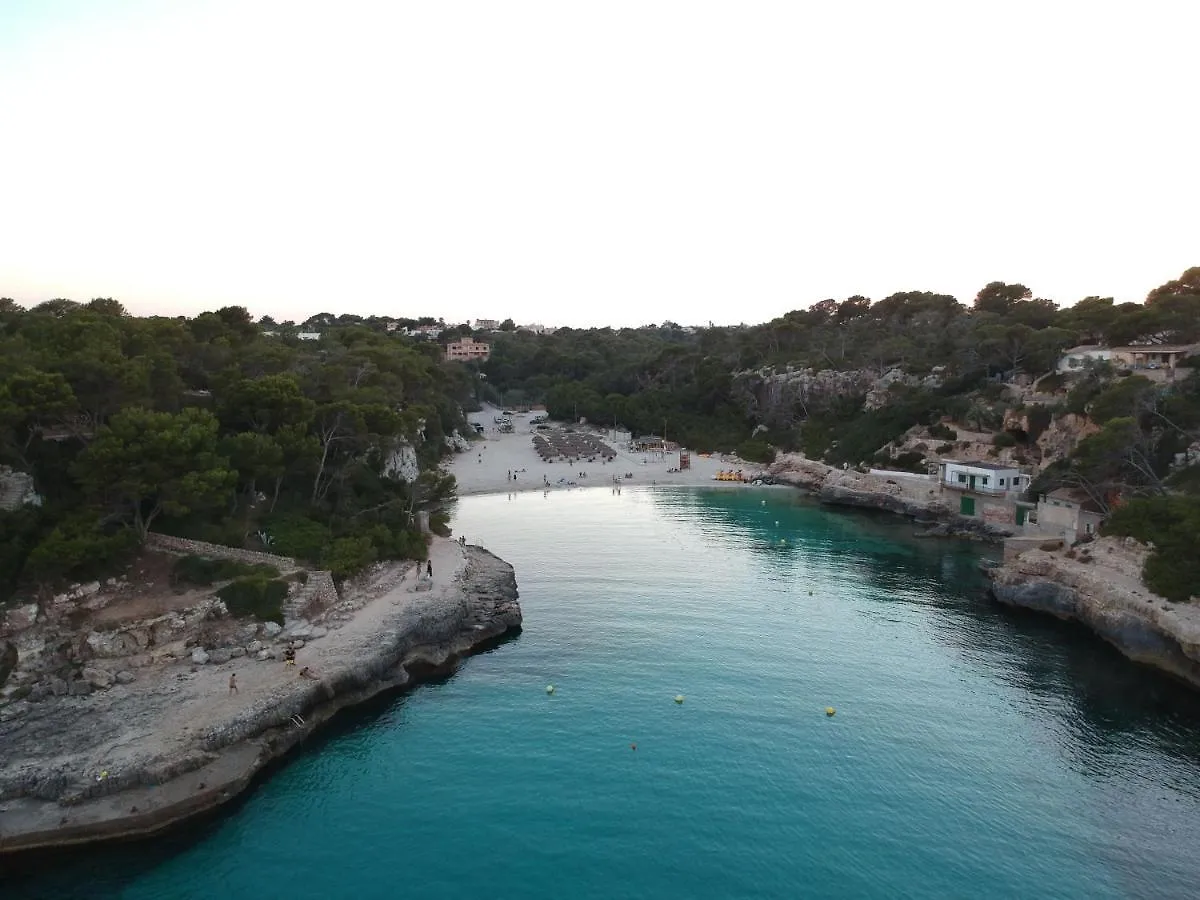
column 976, row 482
column 468, row 350
column 1157, row 362
column 1077, row 358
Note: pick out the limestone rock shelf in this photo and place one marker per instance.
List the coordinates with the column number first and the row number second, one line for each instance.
column 146, row 746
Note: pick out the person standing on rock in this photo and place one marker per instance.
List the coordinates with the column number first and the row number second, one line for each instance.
column 289, row 657
column 429, row 568
column 233, row 682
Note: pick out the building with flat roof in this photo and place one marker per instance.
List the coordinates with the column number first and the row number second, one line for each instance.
column 1071, row 511
column 468, row 350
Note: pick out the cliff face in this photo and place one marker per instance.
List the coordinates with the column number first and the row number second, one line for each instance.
column 1103, row 589
column 916, row 498
column 138, row 756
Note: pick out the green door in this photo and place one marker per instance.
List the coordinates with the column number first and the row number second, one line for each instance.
column 1020, row 515
column 967, row 506
column 972, row 480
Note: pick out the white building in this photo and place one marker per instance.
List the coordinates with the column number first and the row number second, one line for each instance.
column 983, row 481
column 430, row 332
column 981, row 477
column 1078, row 357
column 487, row 324
column 309, row 335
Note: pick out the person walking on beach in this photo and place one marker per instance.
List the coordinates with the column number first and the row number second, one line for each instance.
column 429, row 568
column 233, row 682
column 289, row 657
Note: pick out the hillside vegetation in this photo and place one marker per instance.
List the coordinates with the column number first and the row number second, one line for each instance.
column 207, row 428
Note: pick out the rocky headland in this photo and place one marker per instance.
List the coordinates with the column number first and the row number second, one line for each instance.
column 149, row 732
column 1099, row 584
column 917, row 498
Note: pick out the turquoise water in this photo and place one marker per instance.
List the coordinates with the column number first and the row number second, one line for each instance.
column 975, row 752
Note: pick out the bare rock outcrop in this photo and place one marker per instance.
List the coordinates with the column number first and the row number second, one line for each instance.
column 1102, row 588
column 114, row 754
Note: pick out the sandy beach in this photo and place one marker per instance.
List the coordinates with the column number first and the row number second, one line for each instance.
column 487, row 467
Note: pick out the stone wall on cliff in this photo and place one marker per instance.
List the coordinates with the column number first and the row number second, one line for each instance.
column 172, row 544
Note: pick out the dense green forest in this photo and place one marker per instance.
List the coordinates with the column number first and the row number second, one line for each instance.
column 693, row 381
column 227, row 429
column 207, row 428
column 706, row 387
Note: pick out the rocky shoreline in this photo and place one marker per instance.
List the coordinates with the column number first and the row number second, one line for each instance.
column 1100, row 586
column 140, row 757
column 918, row 500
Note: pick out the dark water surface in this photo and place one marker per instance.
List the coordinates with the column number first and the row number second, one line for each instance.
column 975, row 752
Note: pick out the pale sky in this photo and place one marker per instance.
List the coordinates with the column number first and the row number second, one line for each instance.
column 591, row 163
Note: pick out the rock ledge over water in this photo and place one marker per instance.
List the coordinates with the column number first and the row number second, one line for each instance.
column 146, row 752
column 1099, row 584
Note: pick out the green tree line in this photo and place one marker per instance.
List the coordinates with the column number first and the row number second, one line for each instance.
column 207, row 428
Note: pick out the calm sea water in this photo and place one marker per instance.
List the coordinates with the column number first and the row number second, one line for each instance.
column 975, row 752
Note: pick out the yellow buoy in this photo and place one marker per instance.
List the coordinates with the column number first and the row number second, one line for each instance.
column 549, row 689
column 679, row 698
column 829, row 710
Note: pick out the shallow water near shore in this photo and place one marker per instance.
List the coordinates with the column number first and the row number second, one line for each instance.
column 974, row 751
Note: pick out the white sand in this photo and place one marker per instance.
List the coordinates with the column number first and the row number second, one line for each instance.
column 485, row 469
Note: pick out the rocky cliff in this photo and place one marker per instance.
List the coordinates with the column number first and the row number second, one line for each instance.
column 1100, row 585
column 778, row 398
column 140, row 754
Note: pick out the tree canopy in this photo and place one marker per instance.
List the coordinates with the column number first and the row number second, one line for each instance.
column 209, row 428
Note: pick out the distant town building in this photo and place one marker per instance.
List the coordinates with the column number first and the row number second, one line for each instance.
column 468, row 349
column 536, row 328
column 309, row 335
column 487, row 324
column 429, row 332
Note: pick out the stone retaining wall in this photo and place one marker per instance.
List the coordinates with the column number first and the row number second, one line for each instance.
column 318, row 590
column 203, row 548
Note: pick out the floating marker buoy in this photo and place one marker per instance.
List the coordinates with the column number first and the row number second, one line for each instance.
column 679, row 698
column 633, row 746
column 549, row 689
column 829, row 710
column 764, row 502
column 776, row 523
